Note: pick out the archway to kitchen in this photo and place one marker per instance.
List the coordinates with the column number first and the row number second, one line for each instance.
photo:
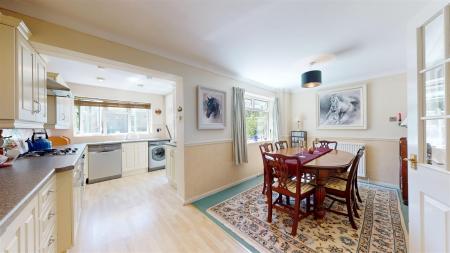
column 168, row 112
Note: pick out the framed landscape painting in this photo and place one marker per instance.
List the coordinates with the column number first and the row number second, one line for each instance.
column 343, row 108
column 211, row 108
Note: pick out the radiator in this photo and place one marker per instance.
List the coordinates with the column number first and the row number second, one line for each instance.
column 353, row 148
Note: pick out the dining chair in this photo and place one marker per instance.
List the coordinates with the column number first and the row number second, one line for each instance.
column 264, row 148
column 345, row 175
column 286, row 185
column 343, row 189
column 327, row 144
column 281, row 145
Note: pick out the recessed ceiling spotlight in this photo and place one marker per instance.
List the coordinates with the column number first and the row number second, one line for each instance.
column 100, row 79
column 140, row 85
column 101, row 67
column 149, row 77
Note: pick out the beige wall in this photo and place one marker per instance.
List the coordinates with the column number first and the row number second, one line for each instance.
column 386, row 96
column 214, row 166
column 156, row 121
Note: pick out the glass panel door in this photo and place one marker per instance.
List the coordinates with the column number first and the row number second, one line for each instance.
column 433, row 67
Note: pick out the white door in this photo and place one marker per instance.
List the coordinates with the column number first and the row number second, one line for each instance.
column 429, row 130
column 40, row 87
column 128, row 157
column 141, row 155
column 25, row 71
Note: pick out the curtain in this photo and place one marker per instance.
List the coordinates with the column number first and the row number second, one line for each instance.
column 276, row 120
column 239, row 129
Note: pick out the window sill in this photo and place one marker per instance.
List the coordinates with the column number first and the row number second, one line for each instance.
column 259, row 142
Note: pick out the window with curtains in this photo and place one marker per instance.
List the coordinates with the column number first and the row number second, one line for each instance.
column 107, row 117
column 257, row 118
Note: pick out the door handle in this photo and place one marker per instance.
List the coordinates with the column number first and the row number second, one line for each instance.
column 413, row 160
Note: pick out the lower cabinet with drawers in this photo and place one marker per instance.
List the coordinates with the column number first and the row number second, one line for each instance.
column 34, row 228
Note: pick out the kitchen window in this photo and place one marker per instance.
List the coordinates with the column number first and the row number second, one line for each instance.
column 106, row 117
column 257, row 118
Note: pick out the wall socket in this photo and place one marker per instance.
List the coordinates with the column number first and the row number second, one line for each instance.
column 393, row 119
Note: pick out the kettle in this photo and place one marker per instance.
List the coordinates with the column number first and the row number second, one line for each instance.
column 38, row 143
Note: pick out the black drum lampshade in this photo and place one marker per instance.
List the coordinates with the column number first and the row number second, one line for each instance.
column 312, row 79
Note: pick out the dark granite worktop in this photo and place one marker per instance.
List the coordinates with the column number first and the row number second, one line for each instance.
column 26, row 176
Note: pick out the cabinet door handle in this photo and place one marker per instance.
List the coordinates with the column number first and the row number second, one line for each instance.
column 49, row 192
column 36, row 103
column 50, row 241
column 50, row 215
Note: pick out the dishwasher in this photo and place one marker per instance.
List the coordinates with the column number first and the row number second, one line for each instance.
column 105, row 162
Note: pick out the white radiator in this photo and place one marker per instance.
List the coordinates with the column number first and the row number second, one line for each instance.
column 353, row 148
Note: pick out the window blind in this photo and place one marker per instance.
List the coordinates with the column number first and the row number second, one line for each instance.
column 96, row 102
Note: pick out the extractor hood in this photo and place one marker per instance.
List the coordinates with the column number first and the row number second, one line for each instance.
column 56, row 86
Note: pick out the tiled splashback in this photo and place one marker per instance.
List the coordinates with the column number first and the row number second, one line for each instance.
column 20, row 134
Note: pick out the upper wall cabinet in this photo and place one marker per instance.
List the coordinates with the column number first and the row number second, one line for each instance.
column 23, row 75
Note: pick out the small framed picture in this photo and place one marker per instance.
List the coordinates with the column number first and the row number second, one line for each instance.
column 211, row 108
column 342, row 108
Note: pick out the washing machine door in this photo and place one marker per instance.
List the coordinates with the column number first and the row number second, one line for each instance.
column 158, row 154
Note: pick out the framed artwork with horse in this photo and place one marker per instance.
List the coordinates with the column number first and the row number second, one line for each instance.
column 211, row 108
column 343, row 108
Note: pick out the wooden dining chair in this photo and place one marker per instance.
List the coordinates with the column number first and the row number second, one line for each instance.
column 286, row 185
column 327, row 144
column 265, row 147
column 345, row 176
column 281, row 145
column 343, row 189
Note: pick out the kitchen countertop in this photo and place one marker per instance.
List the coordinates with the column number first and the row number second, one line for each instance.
column 26, row 176
column 128, row 141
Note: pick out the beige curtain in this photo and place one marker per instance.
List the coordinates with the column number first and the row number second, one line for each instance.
column 276, row 120
column 239, row 129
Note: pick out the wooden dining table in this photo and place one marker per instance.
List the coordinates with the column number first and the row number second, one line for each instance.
column 324, row 166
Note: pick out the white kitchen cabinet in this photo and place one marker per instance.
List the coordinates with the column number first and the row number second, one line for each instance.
column 40, row 89
column 134, row 157
column 23, row 78
column 22, row 235
column 59, row 112
column 170, row 166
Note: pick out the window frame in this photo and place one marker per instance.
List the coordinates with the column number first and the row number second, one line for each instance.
column 253, row 97
column 103, row 125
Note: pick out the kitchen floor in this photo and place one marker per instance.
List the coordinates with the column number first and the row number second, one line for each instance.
column 142, row 213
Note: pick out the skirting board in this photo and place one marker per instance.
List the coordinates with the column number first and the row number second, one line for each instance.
column 368, row 181
column 204, row 195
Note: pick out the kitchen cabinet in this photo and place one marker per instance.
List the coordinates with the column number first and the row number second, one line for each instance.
column 170, row 166
column 59, row 112
column 69, row 203
column 134, row 157
column 33, row 229
column 23, row 76
column 22, row 234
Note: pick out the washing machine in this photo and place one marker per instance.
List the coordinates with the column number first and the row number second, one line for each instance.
column 156, row 155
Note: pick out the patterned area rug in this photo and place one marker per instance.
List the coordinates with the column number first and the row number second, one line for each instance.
column 380, row 226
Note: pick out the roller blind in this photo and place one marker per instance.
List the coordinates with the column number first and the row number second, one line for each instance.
column 95, row 102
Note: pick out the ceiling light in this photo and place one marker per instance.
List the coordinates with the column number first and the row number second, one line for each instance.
column 312, row 78
column 100, row 79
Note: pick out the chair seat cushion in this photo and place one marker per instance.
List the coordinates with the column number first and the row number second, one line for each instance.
column 336, row 184
column 292, row 187
column 343, row 175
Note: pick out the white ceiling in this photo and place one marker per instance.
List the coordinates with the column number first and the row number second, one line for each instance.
column 270, row 42
column 87, row 74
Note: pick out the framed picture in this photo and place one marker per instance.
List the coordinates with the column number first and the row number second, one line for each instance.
column 343, row 108
column 211, row 108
